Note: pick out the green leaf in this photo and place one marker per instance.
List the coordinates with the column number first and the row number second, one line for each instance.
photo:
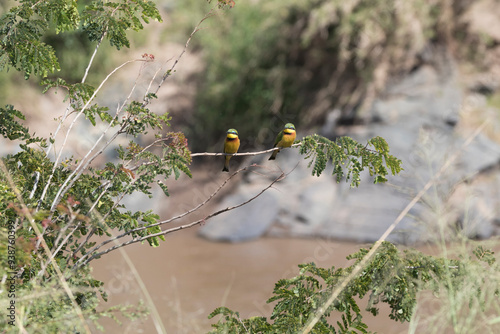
column 349, row 158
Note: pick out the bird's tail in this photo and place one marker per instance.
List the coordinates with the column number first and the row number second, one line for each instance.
column 226, row 164
column 273, row 156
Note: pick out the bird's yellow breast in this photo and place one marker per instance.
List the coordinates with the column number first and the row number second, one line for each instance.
column 288, row 138
column 231, row 145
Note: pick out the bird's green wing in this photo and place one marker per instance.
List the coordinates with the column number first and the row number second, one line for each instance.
column 278, row 138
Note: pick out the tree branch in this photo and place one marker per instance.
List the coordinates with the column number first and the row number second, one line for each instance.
column 169, row 72
column 175, row 229
column 170, row 219
column 67, row 184
column 56, row 163
column 204, row 154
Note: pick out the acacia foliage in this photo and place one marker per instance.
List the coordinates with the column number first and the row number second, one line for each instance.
column 56, row 205
column 349, row 158
column 22, row 29
column 391, row 276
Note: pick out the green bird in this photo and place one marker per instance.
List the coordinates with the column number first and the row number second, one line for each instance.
column 231, row 146
column 285, row 138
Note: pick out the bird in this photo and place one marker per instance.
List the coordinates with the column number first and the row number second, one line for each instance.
column 231, row 146
column 285, row 138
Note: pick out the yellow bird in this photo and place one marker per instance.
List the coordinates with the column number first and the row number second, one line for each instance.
column 231, row 146
column 285, row 138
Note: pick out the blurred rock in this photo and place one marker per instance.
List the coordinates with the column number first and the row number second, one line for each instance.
column 245, row 223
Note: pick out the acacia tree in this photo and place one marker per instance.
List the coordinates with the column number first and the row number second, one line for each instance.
column 54, row 206
column 389, row 276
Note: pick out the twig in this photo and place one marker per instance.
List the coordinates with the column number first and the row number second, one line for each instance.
column 59, row 127
column 94, row 53
column 35, row 186
column 207, row 154
column 182, row 227
column 170, row 219
column 204, row 154
column 170, row 71
column 56, row 163
column 86, row 160
column 146, row 99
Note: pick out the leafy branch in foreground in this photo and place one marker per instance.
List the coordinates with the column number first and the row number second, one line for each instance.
column 23, row 27
column 392, row 276
column 346, row 153
column 54, row 206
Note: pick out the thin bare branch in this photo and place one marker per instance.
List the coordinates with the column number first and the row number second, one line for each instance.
column 56, row 163
column 182, row 227
column 169, row 72
column 146, row 98
column 97, row 247
column 205, row 154
column 35, row 186
column 176, row 217
column 59, row 127
column 86, row 161
column 94, row 54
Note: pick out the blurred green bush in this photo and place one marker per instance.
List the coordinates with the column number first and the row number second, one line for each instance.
column 271, row 62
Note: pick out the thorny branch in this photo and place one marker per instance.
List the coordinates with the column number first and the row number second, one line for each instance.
column 178, row 228
column 173, row 218
column 204, row 154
